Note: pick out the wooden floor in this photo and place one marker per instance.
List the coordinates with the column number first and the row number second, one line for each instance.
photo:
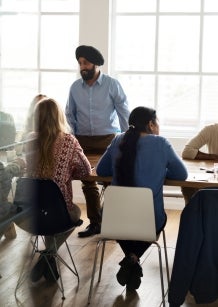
column 15, row 252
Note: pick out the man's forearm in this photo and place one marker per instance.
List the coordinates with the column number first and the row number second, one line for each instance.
column 206, row 156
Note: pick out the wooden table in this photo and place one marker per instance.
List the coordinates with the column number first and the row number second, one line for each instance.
column 197, row 175
column 197, row 178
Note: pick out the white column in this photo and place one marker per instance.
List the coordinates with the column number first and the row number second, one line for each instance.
column 95, row 26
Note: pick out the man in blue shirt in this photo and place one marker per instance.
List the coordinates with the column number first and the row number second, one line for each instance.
column 97, row 109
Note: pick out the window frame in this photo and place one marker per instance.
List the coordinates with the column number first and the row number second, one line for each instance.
column 171, row 131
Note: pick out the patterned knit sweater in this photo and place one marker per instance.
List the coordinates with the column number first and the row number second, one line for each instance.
column 70, row 164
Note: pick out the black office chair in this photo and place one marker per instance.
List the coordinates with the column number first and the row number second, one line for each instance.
column 49, row 217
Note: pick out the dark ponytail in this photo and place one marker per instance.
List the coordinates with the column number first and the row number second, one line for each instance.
column 125, row 165
column 126, row 161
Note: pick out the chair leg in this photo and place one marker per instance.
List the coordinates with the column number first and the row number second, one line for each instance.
column 161, row 273
column 102, row 193
column 36, row 249
column 166, row 257
column 59, row 259
column 102, row 258
column 23, row 275
column 35, row 245
column 52, row 253
column 61, row 286
column 104, row 186
column 93, row 271
column 75, row 272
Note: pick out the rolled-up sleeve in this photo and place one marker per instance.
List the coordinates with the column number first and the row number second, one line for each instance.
column 192, row 147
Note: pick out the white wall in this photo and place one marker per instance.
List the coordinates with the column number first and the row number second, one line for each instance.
column 94, row 27
column 173, row 202
column 78, row 196
column 178, row 143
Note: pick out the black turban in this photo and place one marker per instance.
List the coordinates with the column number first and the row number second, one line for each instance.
column 91, row 54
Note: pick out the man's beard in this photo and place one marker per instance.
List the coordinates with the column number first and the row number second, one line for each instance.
column 88, row 74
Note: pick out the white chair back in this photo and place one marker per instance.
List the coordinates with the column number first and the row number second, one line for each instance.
column 128, row 214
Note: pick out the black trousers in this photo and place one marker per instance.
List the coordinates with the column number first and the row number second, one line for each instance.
column 93, row 145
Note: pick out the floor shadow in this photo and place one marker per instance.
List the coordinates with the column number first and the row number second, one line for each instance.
column 131, row 298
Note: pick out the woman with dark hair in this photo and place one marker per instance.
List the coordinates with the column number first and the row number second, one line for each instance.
column 140, row 157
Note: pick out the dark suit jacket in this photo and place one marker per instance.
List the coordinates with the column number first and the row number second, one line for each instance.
column 195, row 267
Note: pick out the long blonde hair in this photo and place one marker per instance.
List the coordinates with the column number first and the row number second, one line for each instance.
column 30, row 114
column 49, row 122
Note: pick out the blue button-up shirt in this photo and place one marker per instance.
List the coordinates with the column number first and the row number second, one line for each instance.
column 99, row 109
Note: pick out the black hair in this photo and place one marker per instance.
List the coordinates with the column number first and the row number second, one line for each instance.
column 125, row 164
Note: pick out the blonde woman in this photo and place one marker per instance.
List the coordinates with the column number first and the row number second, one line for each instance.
column 55, row 154
column 29, row 124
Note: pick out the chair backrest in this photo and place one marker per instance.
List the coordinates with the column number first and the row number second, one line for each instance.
column 49, row 214
column 128, row 214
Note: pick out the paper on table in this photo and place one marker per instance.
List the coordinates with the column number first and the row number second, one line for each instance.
column 208, row 170
column 200, row 177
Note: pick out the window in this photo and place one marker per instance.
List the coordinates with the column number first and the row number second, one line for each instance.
column 165, row 55
column 163, row 52
column 37, row 44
